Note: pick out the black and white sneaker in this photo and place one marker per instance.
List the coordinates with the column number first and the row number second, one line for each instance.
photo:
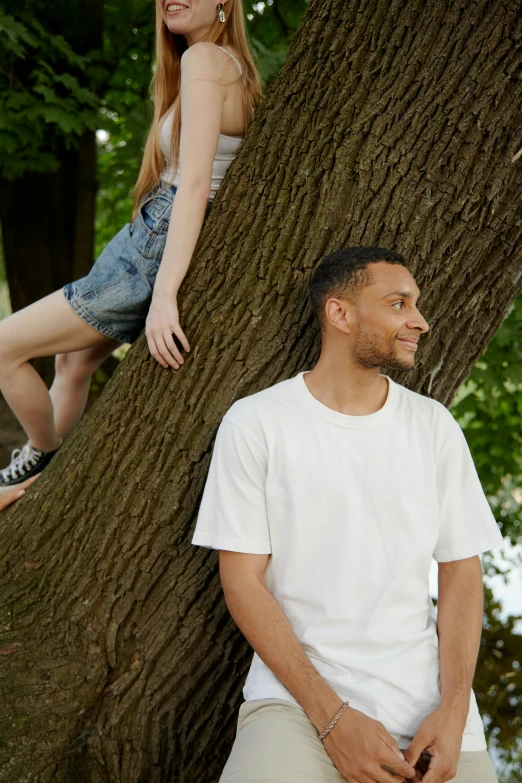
column 25, row 462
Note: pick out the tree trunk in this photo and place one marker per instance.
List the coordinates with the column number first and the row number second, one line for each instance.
column 391, row 124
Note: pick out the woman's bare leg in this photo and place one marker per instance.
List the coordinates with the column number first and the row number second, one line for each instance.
column 45, row 328
column 72, row 382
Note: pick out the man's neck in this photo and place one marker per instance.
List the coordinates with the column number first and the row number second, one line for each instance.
column 352, row 390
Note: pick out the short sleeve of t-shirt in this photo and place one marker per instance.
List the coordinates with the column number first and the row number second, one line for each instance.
column 232, row 514
column 467, row 524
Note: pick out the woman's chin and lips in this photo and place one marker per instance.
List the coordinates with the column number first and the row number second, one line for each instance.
column 186, row 17
column 175, row 16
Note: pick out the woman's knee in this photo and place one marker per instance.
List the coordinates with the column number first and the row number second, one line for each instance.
column 74, row 368
column 12, row 354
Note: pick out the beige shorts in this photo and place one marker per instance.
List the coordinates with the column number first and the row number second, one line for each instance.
column 276, row 743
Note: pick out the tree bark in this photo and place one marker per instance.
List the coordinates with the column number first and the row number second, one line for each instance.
column 391, row 124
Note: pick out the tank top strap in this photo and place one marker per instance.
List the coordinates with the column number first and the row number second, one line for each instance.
column 234, row 58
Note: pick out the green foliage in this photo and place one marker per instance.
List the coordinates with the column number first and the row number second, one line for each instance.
column 498, row 686
column 271, row 27
column 489, row 408
column 44, row 100
column 125, row 114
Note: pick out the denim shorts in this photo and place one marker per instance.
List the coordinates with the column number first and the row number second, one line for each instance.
column 115, row 296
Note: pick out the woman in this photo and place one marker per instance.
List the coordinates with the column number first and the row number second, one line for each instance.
column 206, row 75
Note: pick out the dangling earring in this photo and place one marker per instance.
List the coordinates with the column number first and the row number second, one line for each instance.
column 221, row 13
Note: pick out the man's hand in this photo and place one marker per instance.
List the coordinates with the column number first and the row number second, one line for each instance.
column 6, row 498
column 360, row 747
column 440, row 733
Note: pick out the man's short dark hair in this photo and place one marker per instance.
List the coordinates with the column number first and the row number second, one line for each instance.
column 344, row 273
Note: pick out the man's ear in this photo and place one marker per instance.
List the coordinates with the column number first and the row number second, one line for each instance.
column 340, row 313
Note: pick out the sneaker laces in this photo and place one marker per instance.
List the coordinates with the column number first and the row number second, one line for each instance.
column 22, row 460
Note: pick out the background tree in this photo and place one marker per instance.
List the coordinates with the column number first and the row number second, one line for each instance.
column 49, row 100
column 122, row 661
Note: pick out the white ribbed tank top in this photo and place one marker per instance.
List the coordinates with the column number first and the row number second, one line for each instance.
column 226, row 150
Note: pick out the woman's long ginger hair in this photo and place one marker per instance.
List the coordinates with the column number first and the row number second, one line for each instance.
column 166, row 85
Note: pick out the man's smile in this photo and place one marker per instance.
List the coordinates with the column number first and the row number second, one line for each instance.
column 410, row 342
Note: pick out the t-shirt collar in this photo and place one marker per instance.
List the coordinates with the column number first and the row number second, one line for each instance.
column 345, row 420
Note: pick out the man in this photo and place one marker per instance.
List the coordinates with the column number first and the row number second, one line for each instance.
column 328, row 495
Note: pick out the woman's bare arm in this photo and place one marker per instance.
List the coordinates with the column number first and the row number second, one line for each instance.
column 204, row 76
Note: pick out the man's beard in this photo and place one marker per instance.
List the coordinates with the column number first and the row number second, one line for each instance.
column 371, row 351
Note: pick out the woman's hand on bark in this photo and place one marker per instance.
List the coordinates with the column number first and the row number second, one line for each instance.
column 361, row 749
column 161, row 326
column 9, row 497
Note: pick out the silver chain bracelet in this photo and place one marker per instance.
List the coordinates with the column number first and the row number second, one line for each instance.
column 334, row 720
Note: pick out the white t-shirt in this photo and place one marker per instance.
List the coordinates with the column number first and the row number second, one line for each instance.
column 352, row 509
